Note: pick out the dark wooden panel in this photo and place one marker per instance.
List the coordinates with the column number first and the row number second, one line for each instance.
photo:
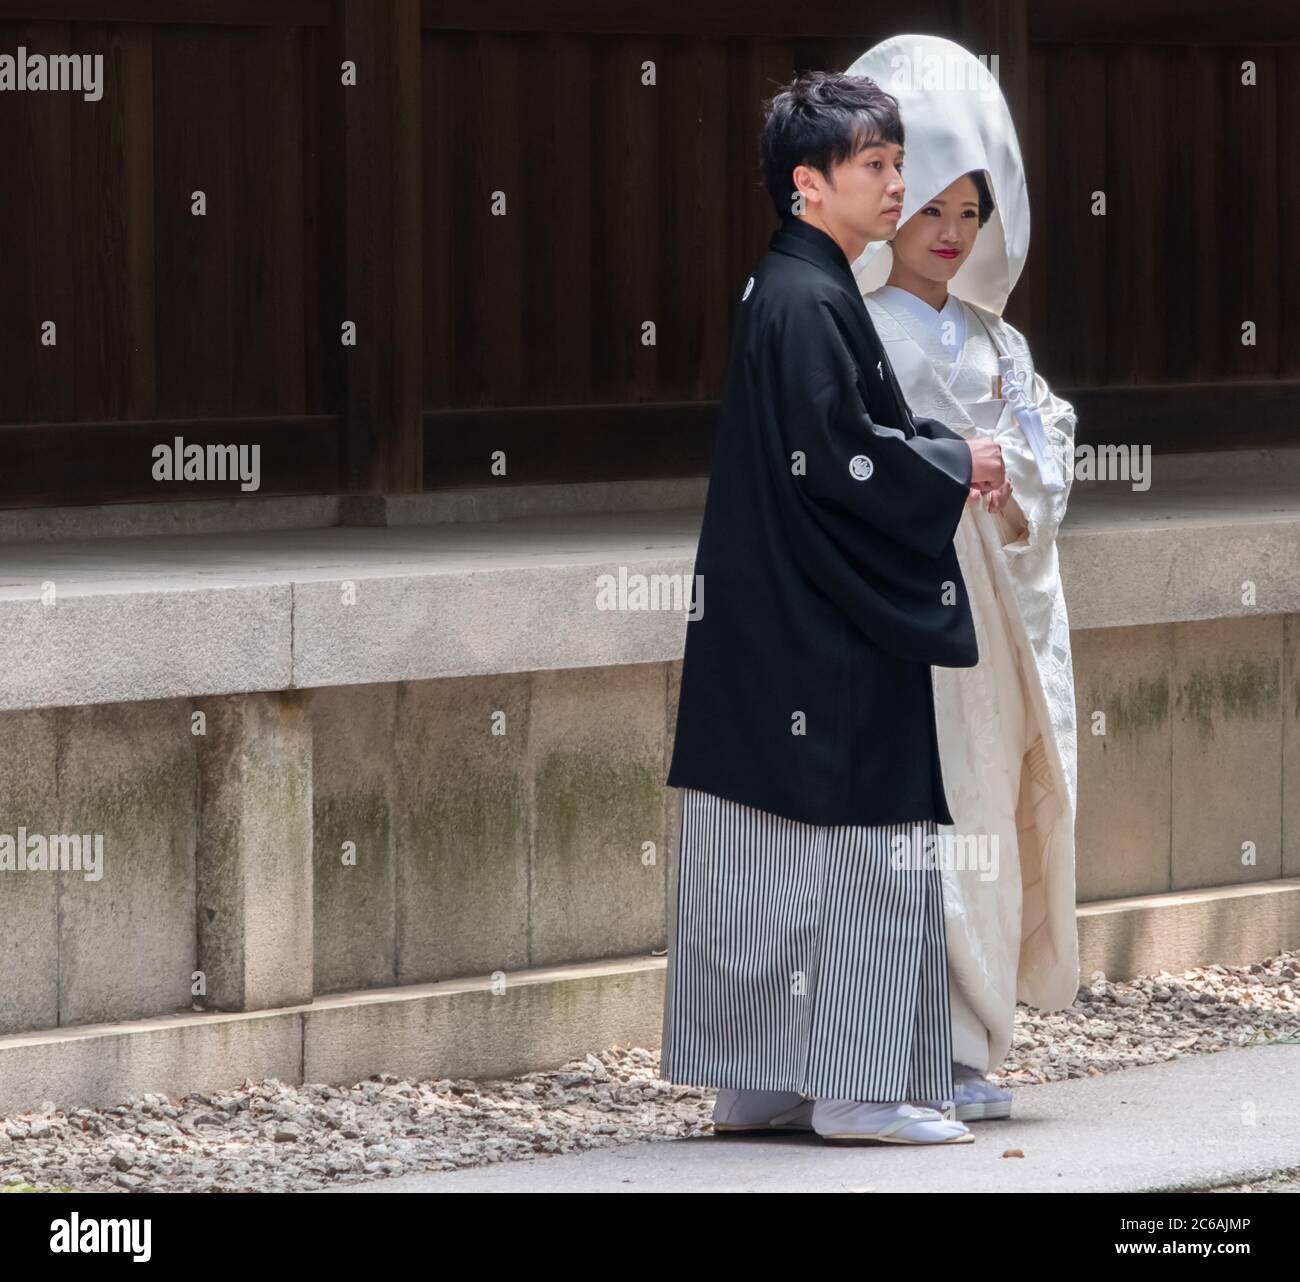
column 37, row 232
column 50, row 464
column 1207, row 22
column 495, row 101
column 192, row 130
column 1287, row 275
column 444, row 212
column 323, row 235
column 628, row 177
column 1250, row 271
column 237, row 13
column 266, row 223
column 382, row 130
column 1139, row 250
column 1196, row 416
column 1071, row 338
column 696, row 288
column 558, row 234
column 113, row 158
column 832, row 19
column 756, row 71
column 568, row 443
column 1029, row 305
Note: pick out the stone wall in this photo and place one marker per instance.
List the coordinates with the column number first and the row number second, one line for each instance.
column 361, row 837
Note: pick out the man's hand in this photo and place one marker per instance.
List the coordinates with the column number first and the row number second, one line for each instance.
column 986, row 470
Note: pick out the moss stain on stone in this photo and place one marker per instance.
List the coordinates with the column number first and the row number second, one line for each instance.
column 1141, row 706
column 353, row 937
column 461, row 844
column 582, row 789
column 1246, row 689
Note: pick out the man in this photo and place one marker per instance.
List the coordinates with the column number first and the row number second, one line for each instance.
column 806, row 956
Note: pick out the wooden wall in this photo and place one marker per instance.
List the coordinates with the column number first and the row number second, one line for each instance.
column 626, row 203
column 1140, row 312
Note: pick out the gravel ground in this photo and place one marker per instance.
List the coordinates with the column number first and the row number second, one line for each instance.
column 266, row 1136
column 1282, row 1182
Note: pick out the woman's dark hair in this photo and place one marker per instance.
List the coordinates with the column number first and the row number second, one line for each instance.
column 820, row 119
column 986, row 197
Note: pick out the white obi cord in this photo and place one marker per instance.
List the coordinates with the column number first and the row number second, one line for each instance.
column 1031, row 423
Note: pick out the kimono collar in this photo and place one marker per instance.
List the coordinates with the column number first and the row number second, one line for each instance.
column 801, row 239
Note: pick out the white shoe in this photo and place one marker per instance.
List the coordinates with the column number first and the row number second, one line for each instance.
column 854, row 1122
column 735, row 1110
column 977, row 1100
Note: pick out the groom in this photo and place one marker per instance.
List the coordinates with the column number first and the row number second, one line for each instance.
column 833, row 582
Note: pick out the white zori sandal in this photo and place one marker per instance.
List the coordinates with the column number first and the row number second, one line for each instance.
column 761, row 1111
column 843, row 1121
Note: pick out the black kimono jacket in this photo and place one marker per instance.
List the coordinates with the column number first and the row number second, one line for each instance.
column 830, row 581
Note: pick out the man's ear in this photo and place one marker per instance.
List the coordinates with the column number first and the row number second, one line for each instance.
column 810, row 175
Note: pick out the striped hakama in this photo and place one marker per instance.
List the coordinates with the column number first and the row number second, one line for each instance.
column 800, row 959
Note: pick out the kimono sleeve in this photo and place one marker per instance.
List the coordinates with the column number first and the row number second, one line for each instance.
column 1042, row 509
column 934, row 430
column 910, row 489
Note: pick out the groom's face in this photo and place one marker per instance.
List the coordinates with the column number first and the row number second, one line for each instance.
column 867, row 195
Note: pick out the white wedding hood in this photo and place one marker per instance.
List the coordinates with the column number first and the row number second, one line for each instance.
column 955, row 120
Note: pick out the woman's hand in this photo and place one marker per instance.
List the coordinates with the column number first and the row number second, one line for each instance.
column 999, row 496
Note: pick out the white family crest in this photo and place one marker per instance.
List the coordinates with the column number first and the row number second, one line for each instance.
column 749, row 285
column 861, row 467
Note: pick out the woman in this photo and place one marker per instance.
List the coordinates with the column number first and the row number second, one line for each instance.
column 1006, row 727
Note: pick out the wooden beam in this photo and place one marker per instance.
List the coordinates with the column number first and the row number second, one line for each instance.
column 569, row 443
column 59, row 464
column 1190, row 416
column 173, row 13
column 1168, row 22
column 737, row 19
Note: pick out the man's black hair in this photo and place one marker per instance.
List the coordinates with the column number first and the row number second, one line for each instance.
column 819, row 119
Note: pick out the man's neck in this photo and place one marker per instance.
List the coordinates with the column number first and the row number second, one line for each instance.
column 851, row 249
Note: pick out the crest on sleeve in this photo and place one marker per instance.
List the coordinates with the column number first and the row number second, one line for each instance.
column 749, row 285
column 861, row 467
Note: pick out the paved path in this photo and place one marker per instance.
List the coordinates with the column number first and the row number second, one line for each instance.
column 1199, row 1121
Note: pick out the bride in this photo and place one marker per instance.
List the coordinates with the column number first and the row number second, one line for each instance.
column 1006, row 727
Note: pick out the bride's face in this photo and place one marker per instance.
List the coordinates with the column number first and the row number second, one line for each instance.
column 938, row 238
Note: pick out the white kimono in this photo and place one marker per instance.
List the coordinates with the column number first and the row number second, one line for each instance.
column 1007, row 726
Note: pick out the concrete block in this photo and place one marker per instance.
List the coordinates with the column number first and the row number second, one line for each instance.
column 462, row 826
column 254, row 852
column 485, row 1029
column 106, row 1064
column 1122, row 830
column 596, row 748
column 1224, row 925
column 453, row 619
column 107, row 643
column 1291, row 746
column 1227, row 752
column 29, row 900
column 354, row 873
column 126, row 941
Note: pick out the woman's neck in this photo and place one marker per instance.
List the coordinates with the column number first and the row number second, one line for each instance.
column 934, row 292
